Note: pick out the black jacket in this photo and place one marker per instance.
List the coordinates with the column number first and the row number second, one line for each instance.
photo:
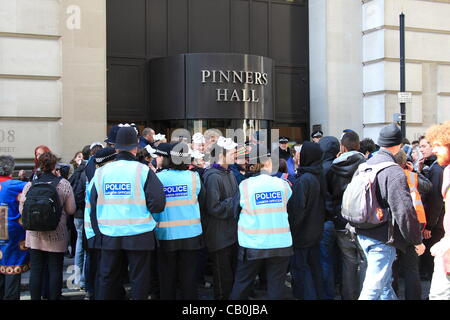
column 306, row 210
column 284, row 154
column 433, row 201
column 330, row 147
column 218, row 219
column 78, row 183
column 156, row 201
column 393, row 192
column 340, row 174
column 236, row 170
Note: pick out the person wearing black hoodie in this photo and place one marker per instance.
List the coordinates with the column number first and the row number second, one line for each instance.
column 306, row 218
column 328, row 247
column 338, row 177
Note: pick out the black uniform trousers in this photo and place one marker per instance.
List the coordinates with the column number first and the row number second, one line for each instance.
column 407, row 264
column 178, row 267
column 224, row 269
column 247, row 270
column 111, row 274
column 426, row 259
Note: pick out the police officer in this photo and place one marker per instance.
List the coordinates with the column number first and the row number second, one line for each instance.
column 264, row 235
column 179, row 228
column 120, row 202
column 93, row 245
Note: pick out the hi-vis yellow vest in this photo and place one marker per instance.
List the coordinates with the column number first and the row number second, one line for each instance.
column 121, row 205
column 263, row 222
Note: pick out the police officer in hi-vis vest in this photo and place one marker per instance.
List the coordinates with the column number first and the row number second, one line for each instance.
column 178, row 227
column 121, row 199
column 264, row 234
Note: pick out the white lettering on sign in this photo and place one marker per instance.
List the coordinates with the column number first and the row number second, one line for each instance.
column 117, row 189
column 233, row 77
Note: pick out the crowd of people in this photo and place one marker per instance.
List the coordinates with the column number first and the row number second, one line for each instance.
column 156, row 216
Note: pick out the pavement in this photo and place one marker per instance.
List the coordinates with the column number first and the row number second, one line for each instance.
column 71, row 292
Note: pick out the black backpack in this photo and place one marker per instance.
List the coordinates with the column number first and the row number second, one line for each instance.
column 42, row 209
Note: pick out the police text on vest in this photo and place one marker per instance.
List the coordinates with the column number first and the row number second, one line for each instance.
column 176, row 191
column 268, row 197
column 117, row 189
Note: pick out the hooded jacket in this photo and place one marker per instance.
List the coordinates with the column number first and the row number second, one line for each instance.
column 393, row 192
column 306, row 206
column 330, row 147
column 218, row 217
column 433, row 201
column 340, row 174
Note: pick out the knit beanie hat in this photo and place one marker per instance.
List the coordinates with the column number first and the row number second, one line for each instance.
column 390, row 136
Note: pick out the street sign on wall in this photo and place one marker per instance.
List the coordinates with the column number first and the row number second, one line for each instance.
column 404, row 97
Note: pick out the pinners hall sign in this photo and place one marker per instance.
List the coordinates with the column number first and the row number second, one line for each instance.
column 222, row 78
column 211, row 86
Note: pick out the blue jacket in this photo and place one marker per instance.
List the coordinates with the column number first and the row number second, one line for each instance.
column 154, row 201
column 14, row 257
column 263, row 222
column 181, row 216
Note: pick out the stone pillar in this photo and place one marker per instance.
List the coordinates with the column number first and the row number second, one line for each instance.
column 52, row 76
column 335, row 65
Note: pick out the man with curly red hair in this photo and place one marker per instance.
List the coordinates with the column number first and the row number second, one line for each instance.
column 439, row 138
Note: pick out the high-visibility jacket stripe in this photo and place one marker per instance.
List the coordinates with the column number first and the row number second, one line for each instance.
column 193, row 200
column 264, row 231
column 104, row 201
column 254, row 211
column 181, row 217
column 126, row 215
column 413, row 182
column 264, row 224
column 177, row 223
column 175, row 203
column 137, row 191
column 263, row 210
column 119, row 222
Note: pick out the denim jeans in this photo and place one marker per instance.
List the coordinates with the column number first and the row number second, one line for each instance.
column 378, row 281
column 307, row 283
column 80, row 253
column 328, row 259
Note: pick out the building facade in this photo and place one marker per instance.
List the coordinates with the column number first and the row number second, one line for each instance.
column 68, row 69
